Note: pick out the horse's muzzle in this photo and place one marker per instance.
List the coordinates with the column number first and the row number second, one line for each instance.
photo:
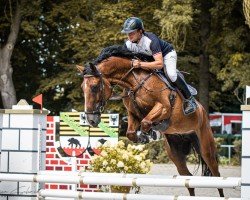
column 93, row 119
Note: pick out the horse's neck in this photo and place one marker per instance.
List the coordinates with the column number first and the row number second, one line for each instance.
column 117, row 71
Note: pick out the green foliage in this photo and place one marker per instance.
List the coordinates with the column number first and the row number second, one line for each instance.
column 246, row 9
column 229, row 53
column 56, row 35
column 236, row 160
column 175, row 20
column 157, row 153
column 232, row 74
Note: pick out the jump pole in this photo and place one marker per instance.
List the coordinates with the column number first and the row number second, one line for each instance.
column 123, row 175
column 120, row 196
column 154, row 182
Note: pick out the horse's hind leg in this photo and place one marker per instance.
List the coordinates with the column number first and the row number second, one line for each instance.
column 208, row 149
column 176, row 154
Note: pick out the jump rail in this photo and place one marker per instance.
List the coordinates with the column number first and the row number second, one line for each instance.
column 119, row 196
column 123, row 175
column 190, row 182
column 20, row 175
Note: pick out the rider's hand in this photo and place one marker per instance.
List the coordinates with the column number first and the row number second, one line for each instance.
column 136, row 63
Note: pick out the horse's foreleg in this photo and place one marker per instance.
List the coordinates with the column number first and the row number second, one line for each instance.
column 133, row 125
column 158, row 113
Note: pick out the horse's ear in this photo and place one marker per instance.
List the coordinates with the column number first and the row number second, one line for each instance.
column 80, row 68
column 93, row 68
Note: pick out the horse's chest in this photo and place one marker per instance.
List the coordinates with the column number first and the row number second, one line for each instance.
column 141, row 104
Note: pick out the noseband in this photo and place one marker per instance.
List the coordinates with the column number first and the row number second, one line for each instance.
column 102, row 102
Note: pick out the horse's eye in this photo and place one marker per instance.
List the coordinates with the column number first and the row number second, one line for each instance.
column 94, row 88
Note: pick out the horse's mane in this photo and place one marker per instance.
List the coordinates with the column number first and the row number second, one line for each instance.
column 115, row 50
column 121, row 51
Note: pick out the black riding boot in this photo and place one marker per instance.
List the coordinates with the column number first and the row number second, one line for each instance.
column 189, row 104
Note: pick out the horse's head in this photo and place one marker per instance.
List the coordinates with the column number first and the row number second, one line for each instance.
column 97, row 91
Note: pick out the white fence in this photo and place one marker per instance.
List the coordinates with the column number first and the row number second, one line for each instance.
column 125, row 180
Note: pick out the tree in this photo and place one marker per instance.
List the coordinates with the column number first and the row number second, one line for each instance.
column 215, row 48
column 56, row 35
column 229, row 55
column 175, row 21
column 19, row 39
column 205, row 29
column 246, row 9
column 81, row 29
column 187, row 26
column 8, row 41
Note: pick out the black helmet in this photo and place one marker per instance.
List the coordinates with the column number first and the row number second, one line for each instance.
column 132, row 24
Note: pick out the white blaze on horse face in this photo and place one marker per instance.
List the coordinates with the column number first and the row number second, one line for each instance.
column 85, row 98
column 90, row 97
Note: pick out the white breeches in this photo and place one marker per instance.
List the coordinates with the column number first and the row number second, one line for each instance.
column 170, row 61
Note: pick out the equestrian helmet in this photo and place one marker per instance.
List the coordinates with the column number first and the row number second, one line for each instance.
column 132, row 24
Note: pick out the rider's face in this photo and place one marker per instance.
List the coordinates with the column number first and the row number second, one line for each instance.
column 135, row 36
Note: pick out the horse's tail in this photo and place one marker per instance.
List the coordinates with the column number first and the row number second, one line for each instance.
column 205, row 123
column 205, row 171
column 184, row 144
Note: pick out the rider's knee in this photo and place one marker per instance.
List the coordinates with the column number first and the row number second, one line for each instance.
column 170, row 62
column 172, row 75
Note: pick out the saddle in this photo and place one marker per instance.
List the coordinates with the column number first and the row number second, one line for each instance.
column 170, row 85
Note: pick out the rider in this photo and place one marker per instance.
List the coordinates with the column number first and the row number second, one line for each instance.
column 164, row 57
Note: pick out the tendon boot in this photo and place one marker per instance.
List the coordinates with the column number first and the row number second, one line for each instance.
column 189, row 104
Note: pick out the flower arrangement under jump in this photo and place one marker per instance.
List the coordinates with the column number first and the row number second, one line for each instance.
column 121, row 159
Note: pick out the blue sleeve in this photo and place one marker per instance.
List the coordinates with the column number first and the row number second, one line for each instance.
column 155, row 45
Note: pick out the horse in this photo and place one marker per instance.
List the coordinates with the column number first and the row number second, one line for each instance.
column 149, row 103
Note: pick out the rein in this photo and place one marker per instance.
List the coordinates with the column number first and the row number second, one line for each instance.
column 130, row 92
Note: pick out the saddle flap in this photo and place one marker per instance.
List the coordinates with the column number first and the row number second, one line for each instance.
column 169, row 84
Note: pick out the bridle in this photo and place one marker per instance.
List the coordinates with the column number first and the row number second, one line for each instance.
column 102, row 102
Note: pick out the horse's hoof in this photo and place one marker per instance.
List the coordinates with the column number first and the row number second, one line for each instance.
column 143, row 139
column 132, row 136
column 146, row 125
column 153, row 135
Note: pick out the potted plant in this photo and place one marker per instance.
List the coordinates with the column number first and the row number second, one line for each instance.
column 121, row 159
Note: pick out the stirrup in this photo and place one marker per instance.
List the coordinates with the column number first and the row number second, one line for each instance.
column 190, row 111
column 191, row 104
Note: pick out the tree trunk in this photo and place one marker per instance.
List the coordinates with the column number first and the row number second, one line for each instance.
column 8, row 92
column 246, row 10
column 7, row 88
column 205, row 20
